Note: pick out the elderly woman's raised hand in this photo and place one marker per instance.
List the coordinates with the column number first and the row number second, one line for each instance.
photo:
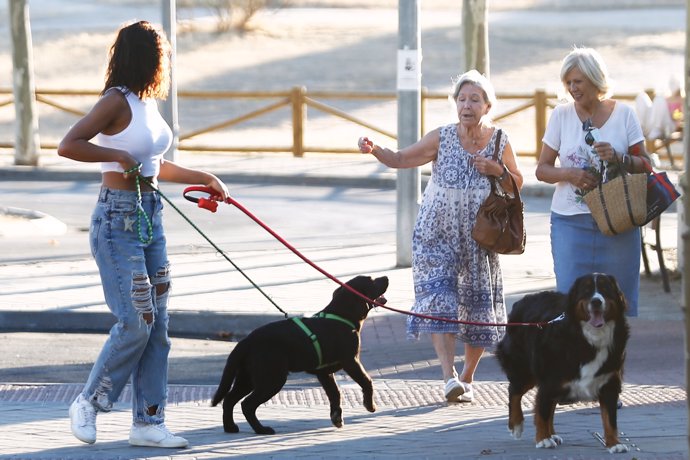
column 365, row 145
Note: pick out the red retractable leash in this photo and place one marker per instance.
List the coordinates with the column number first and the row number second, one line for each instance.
column 210, row 203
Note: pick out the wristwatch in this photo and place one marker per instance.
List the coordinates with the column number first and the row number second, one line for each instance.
column 503, row 176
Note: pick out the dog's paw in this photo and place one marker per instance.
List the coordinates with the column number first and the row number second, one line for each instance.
column 337, row 418
column 265, row 430
column 231, row 428
column 547, row 443
column 369, row 403
column 618, row 449
column 557, row 439
column 516, row 431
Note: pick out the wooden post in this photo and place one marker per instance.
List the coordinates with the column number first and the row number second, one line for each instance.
column 539, row 119
column 298, row 118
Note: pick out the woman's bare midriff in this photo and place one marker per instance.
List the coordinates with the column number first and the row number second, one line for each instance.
column 115, row 180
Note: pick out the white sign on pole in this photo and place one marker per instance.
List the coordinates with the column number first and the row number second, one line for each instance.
column 409, row 70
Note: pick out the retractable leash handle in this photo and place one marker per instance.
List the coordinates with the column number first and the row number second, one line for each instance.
column 210, row 203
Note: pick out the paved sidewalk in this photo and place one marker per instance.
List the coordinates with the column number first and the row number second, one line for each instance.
column 412, row 420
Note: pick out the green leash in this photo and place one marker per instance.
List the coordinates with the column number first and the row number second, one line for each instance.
column 141, row 214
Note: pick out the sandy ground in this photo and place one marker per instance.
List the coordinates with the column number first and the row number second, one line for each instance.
column 350, row 47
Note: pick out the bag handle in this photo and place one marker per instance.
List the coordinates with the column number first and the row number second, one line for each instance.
column 492, row 179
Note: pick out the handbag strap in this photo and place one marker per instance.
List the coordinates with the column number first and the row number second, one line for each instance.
column 647, row 167
column 497, row 145
column 492, row 179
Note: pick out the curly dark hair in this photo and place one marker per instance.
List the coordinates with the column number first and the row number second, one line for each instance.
column 140, row 60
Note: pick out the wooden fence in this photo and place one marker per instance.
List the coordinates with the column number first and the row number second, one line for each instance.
column 297, row 101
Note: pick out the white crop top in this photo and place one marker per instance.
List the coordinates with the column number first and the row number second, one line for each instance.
column 146, row 138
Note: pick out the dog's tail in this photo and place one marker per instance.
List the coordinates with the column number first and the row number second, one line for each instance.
column 229, row 373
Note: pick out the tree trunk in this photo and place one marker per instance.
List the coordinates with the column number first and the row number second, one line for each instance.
column 26, row 126
column 476, row 35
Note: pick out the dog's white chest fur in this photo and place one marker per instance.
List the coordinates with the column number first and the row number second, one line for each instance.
column 586, row 388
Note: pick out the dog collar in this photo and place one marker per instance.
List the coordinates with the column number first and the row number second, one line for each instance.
column 335, row 317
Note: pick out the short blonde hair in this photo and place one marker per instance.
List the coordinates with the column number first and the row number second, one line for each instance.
column 475, row 78
column 591, row 64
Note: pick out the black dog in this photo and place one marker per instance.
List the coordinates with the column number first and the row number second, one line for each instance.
column 578, row 358
column 321, row 345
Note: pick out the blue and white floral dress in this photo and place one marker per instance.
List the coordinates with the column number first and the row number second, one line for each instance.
column 454, row 278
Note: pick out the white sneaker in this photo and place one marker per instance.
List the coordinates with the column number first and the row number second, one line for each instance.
column 468, row 395
column 82, row 417
column 454, row 389
column 155, row 436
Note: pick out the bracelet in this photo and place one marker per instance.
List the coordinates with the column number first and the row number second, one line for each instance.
column 503, row 176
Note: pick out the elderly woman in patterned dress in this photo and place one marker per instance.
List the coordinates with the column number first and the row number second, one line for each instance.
column 458, row 285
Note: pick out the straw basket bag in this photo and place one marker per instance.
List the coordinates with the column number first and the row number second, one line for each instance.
column 619, row 204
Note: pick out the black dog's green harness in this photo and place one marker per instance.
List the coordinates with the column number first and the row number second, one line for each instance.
column 314, row 339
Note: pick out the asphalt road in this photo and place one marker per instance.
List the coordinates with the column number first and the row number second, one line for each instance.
column 318, row 217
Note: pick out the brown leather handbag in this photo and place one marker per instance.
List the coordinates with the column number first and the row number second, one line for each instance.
column 500, row 225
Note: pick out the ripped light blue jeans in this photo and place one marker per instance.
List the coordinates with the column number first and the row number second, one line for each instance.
column 136, row 284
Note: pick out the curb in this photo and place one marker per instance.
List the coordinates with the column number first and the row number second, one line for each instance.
column 197, row 325
column 19, row 221
column 183, row 324
column 31, row 173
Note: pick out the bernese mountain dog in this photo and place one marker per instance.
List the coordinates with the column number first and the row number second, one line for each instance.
column 577, row 357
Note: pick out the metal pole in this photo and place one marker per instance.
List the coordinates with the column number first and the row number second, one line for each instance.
column 409, row 84
column 169, row 106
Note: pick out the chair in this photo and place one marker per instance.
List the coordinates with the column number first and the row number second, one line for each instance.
column 658, row 125
column 655, row 245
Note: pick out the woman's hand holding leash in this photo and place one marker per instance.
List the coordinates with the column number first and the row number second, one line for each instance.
column 220, row 189
column 210, row 203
